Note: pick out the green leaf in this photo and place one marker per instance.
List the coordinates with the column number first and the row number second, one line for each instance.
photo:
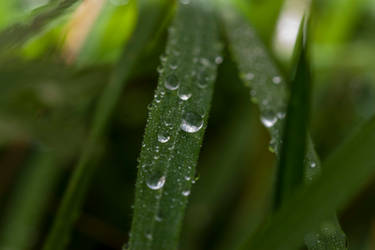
column 29, row 202
column 345, row 172
column 81, row 177
column 269, row 90
column 175, row 128
column 291, row 162
column 20, row 32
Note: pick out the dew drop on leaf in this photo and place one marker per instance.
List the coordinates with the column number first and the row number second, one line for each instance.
column 155, row 181
column 171, row 82
column 218, row 60
column 191, row 122
column 163, row 137
column 249, row 76
column 268, row 119
column 276, row 79
column 184, row 94
column 186, row 193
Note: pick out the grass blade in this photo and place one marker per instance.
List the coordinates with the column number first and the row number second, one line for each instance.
column 19, row 33
column 290, row 169
column 269, row 91
column 175, row 128
column 25, row 211
column 80, row 180
column 344, row 173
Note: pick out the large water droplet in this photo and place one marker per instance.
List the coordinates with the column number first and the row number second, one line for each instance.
column 163, row 137
column 171, row 82
column 268, row 119
column 191, row 122
column 155, row 181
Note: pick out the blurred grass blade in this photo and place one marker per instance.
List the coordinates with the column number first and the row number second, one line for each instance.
column 19, row 33
column 29, row 202
column 175, row 128
column 151, row 13
column 291, row 163
column 344, row 173
column 269, row 91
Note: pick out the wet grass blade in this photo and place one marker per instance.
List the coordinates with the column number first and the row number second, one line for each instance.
column 29, row 201
column 291, row 162
column 344, row 173
column 269, row 91
column 175, row 128
column 150, row 15
column 20, row 32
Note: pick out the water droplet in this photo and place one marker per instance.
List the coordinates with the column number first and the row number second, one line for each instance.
column 186, row 193
column 203, row 80
column 185, row 1
column 281, row 115
column 268, row 119
column 205, row 62
column 249, row 76
column 155, row 181
column 158, row 218
column 184, row 94
column 163, row 137
column 188, row 178
column 149, row 236
column 160, row 69
column 191, row 122
column 313, row 164
column 171, row 82
column 218, row 60
column 276, row 79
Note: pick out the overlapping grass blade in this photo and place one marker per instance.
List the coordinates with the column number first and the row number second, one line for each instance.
column 20, row 32
column 175, row 128
column 291, row 162
column 150, row 14
column 344, row 173
column 269, row 91
column 29, row 201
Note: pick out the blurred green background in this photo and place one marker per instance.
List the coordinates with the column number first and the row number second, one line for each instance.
column 51, row 81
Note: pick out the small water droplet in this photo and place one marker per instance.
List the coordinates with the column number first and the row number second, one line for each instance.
column 313, row 164
column 191, row 122
column 160, row 69
column 186, row 193
column 218, row 60
column 188, row 178
column 171, row 82
column 158, row 218
column 184, row 94
column 205, row 62
column 202, row 80
column 249, row 76
column 163, row 137
column 149, row 236
column 276, row 79
column 268, row 119
column 281, row 115
column 155, row 181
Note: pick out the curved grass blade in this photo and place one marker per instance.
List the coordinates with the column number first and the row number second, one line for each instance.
column 175, row 128
column 344, row 173
column 291, row 162
column 25, row 211
column 19, row 33
column 150, row 15
column 269, row 91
